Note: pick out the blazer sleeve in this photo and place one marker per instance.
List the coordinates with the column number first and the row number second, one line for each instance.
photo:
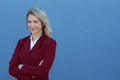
column 14, row 62
column 42, row 70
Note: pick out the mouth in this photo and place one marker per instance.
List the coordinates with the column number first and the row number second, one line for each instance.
column 32, row 29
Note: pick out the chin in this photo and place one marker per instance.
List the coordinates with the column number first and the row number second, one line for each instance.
column 33, row 32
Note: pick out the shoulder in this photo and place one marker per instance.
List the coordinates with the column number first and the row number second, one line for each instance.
column 49, row 39
column 49, row 43
column 22, row 40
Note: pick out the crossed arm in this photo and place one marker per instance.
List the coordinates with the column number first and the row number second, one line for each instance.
column 17, row 70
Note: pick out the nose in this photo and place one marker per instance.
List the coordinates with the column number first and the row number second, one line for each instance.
column 31, row 24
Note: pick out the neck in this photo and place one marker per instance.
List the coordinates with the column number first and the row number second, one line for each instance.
column 35, row 36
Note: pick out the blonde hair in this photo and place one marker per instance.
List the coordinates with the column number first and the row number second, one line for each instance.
column 42, row 16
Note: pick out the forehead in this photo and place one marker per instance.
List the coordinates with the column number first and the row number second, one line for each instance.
column 31, row 16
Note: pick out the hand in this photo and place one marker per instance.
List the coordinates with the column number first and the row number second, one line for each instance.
column 33, row 77
column 20, row 66
column 41, row 62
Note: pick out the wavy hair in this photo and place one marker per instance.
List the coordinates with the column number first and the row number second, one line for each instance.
column 42, row 16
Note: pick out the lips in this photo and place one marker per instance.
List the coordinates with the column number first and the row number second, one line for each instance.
column 33, row 29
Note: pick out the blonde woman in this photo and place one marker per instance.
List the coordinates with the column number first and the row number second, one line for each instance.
column 34, row 54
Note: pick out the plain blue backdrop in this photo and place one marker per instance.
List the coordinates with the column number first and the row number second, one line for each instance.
column 87, row 34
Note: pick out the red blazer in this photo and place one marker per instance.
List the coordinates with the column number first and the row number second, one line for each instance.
column 44, row 49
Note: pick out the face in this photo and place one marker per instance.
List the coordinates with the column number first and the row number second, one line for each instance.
column 34, row 25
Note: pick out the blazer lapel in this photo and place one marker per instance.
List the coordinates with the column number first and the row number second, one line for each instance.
column 27, row 45
column 38, row 43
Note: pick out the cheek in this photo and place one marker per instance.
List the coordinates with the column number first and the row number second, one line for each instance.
column 40, row 26
column 28, row 25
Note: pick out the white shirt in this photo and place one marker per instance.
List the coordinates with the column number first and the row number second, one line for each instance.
column 32, row 43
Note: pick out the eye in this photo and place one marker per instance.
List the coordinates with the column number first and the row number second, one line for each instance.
column 28, row 21
column 35, row 21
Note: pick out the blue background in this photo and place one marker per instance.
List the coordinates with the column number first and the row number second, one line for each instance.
column 87, row 34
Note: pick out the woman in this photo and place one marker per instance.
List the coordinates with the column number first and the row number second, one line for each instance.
column 34, row 54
